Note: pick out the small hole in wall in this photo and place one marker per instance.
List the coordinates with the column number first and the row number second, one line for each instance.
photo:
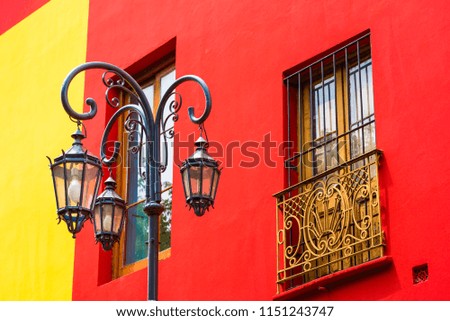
column 420, row 273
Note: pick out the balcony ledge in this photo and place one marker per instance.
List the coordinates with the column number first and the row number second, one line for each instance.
column 321, row 283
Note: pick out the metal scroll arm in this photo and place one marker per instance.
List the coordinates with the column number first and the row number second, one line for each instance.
column 179, row 81
column 115, row 153
column 123, row 80
column 174, row 107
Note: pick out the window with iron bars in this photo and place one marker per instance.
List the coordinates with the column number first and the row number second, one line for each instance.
column 328, row 217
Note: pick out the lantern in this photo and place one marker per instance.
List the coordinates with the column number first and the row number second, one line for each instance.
column 109, row 215
column 76, row 176
column 200, row 176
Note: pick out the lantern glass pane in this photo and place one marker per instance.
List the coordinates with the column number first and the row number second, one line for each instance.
column 207, row 180
column 195, row 174
column 107, row 212
column 97, row 224
column 74, row 175
column 118, row 214
column 60, row 185
column 91, row 176
column 214, row 183
column 187, row 191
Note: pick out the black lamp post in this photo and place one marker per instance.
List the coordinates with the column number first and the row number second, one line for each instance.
column 76, row 173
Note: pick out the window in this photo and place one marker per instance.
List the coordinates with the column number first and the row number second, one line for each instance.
column 329, row 216
column 132, row 251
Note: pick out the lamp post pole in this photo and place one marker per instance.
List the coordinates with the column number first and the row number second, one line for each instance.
column 153, row 127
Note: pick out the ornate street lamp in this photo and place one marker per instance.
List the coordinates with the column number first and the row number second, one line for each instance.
column 76, row 174
column 200, row 175
column 109, row 215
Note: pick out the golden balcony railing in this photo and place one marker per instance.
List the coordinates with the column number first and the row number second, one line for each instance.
column 329, row 222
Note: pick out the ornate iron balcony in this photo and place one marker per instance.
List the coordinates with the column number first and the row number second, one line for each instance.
column 329, row 222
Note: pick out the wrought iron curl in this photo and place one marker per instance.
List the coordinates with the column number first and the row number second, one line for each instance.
column 375, row 201
column 322, row 248
column 348, row 251
column 128, row 125
column 109, row 81
column 135, row 129
column 169, row 133
column 307, row 265
column 117, row 83
column 361, row 193
column 191, row 109
column 292, row 261
column 131, row 126
column 175, row 107
column 115, row 101
column 123, row 80
column 291, row 251
column 323, row 192
column 333, row 240
column 281, row 238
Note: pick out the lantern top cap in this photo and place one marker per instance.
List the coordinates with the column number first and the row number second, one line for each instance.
column 201, row 143
column 109, row 192
column 201, row 151
column 78, row 136
column 77, row 146
column 110, row 183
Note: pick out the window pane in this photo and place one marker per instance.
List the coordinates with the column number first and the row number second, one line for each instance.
column 361, row 108
column 149, row 92
column 324, row 109
column 167, row 176
column 136, row 163
column 137, row 225
column 166, row 220
column 324, row 118
column 137, row 234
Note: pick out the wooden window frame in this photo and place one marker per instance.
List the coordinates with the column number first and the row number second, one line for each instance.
column 151, row 75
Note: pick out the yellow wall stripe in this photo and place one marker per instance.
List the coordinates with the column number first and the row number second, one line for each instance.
column 36, row 254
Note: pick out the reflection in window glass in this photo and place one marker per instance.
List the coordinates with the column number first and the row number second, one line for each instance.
column 137, row 224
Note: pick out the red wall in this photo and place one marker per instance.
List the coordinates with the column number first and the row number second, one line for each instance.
column 241, row 50
column 17, row 10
